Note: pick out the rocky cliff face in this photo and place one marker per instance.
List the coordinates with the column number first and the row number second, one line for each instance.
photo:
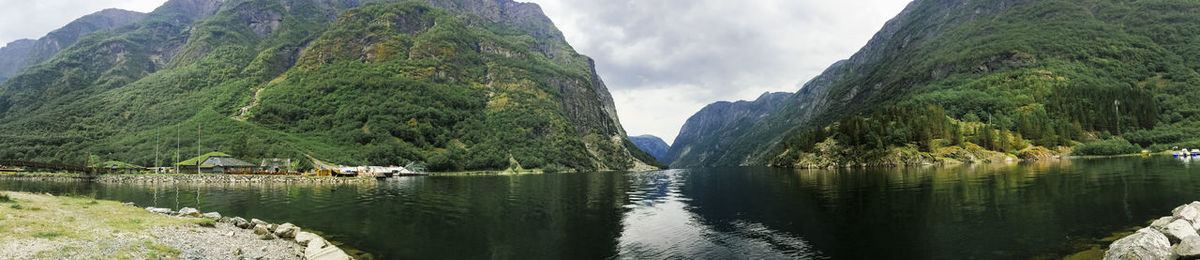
column 1001, row 62
column 12, row 57
column 24, row 53
column 717, row 127
column 652, row 145
column 456, row 84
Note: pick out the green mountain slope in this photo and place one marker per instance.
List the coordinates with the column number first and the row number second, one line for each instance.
column 21, row 54
column 454, row 84
column 1007, row 75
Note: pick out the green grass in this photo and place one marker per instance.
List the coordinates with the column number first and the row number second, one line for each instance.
column 48, row 234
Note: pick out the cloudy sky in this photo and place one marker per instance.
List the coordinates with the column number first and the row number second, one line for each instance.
column 663, row 60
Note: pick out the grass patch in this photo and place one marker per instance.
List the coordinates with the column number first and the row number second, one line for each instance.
column 4, row 198
column 158, row 251
column 63, row 217
column 204, row 222
column 48, row 234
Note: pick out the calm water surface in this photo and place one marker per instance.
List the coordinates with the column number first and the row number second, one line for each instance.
column 980, row 212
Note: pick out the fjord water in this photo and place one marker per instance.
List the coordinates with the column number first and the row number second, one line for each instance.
column 972, row 211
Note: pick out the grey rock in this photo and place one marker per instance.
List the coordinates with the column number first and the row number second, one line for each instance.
column 272, row 227
column 129, row 204
column 262, row 230
column 1161, row 223
column 241, row 223
column 1146, row 243
column 258, row 222
column 328, row 253
column 1188, row 248
column 304, row 237
column 1180, row 229
column 1187, row 212
column 158, row 210
column 286, row 230
column 189, row 212
column 211, row 215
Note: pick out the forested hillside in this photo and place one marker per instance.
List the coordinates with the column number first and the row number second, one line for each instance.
column 1001, row 75
column 455, row 84
column 20, row 54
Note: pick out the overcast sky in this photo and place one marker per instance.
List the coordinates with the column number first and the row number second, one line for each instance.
column 663, row 60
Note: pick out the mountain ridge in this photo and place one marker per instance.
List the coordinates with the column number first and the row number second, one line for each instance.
column 29, row 52
column 338, row 87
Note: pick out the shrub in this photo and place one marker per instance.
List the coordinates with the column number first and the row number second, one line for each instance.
column 1107, row 147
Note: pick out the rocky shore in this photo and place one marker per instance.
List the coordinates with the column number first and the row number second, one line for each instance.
column 180, row 178
column 238, row 238
column 44, row 226
column 1170, row 237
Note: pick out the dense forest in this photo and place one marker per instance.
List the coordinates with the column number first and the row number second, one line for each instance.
column 1101, row 77
column 445, row 83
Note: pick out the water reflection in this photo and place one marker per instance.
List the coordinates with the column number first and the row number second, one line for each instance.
column 968, row 211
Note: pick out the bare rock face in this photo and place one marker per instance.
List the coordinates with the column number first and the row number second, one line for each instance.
column 1147, row 243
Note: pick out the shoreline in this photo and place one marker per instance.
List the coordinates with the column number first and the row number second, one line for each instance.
column 190, row 178
column 45, row 226
column 1169, row 237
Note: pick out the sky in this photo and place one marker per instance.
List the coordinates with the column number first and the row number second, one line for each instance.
column 32, row 19
column 663, row 60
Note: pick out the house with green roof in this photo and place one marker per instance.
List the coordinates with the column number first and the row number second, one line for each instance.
column 215, row 162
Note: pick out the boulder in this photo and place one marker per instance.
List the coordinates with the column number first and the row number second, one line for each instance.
column 286, row 230
column 262, row 230
column 211, row 215
column 272, row 228
column 314, row 245
column 327, row 253
column 258, row 222
column 1161, row 223
column 1180, row 229
column 189, row 212
column 1189, row 248
column 304, row 237
column 241, row 223
column 158, row 210
column 1188, row 212
column 1146, row 243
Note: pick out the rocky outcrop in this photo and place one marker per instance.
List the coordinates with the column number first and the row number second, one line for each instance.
column 315, row 247
column 1146, row 243
column 709, row 133
column 652, row 145
column 1168, row 237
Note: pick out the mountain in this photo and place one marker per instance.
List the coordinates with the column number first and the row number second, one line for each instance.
column 652, row 145
column 12, row 57
column 21, row 54
column 453, row 84
column 950, row 78
column 717, row 126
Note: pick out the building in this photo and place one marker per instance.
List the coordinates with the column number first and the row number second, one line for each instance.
column 276, row 165
column 216, row 162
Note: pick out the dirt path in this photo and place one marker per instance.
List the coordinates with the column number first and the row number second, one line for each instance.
column 241, row 114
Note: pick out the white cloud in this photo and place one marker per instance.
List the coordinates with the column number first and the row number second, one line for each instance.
column 32, row 19
column 665, row 59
